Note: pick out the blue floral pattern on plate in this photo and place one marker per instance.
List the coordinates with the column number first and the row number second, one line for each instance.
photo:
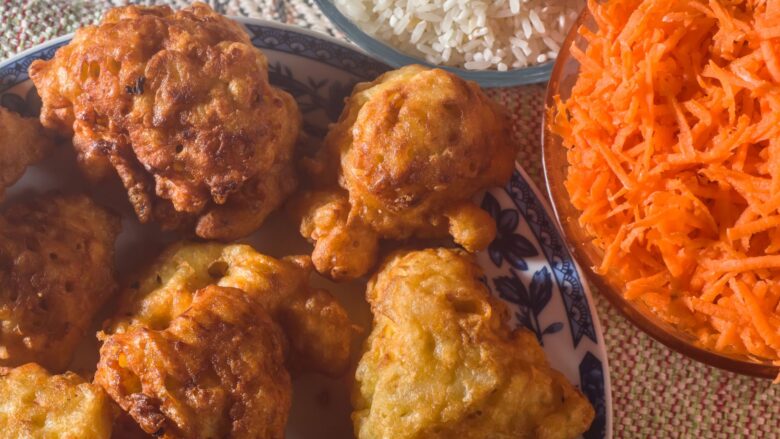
column 530, row 300
column 527, row 265
column 508, row 245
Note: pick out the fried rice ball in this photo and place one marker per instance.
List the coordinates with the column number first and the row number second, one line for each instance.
column 23, row 142
column 317, row 327
column 178, row 105
column 216, row 371
column 409, row 152
column 39, row 405
column 441, row 361
column 56, row 271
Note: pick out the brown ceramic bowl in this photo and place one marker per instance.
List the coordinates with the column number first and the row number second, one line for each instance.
column 564, row 75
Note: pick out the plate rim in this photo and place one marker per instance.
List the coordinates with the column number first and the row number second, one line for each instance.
column 585, row 281
column 540, row 198
column 242, row 20
column 27, row 52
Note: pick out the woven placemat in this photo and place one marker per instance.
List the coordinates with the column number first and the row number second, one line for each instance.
column 657, row 393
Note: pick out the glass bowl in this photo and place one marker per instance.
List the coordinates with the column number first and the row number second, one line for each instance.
column 380, row 50
column 563, row 77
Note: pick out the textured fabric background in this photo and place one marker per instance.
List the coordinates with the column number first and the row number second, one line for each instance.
column 656, row 393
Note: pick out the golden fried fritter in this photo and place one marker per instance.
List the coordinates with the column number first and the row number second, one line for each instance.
column 411, row 149
column 346, row 249
column 22, row 143
column 179, row 106
column 317, row 327
column 216, row 371
column 38, row 405
column 441, row 361
column 56, row 271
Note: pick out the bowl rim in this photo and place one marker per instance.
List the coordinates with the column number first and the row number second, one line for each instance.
column 378, row 49
column 615, row 298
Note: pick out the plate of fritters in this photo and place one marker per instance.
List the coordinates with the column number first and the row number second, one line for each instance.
column 216, row 227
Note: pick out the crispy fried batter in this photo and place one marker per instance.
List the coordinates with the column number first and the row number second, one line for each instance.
column 441, row 361
column 316, row 325
column 39, row 405
column 346, row 249
column 56, row 271
column 413, row 142
column 411, row 149
column 179, row 106
column 22, row 143
column 216, row 371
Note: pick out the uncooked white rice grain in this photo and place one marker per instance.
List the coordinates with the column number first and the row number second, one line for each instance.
column 523, row 45
column 481, row 18
column 473, row 34
column 551, row 44
column 477, row 65
column 527, row 29
column 429, row 16
column 480, row 32
column 536, row 21
column 514, row 6
column 444, row 39
column 489, row 39
column 401, row 26
column 418, row 31
column 471, row 45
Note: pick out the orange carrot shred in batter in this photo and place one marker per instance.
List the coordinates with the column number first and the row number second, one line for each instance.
column 672, row 133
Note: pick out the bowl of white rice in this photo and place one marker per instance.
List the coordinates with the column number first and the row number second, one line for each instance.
column 497, row 43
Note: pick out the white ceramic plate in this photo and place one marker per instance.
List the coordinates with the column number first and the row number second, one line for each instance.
column 528, row 265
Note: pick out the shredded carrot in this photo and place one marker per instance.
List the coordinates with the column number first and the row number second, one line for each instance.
column 744, row 264
column 753, row 227
column 672, row 133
